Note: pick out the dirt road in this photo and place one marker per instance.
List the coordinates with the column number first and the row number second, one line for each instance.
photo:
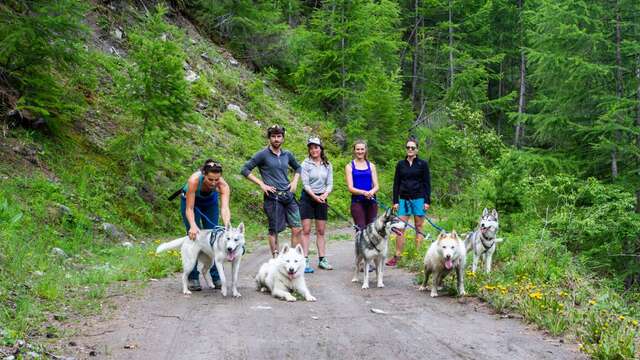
column 164, row 324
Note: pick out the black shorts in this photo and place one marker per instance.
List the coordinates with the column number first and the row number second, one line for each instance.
column 310, row 209
column 281, row 210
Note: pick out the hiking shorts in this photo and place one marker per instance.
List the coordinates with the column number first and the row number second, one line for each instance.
column 281, row 210
column 411, row 207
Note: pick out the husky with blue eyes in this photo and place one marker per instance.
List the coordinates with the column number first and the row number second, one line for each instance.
column 483, row 240
column 221, row 244
column 284, row 274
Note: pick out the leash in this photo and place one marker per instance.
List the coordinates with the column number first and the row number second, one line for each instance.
column 439, row 228
column 335, row 212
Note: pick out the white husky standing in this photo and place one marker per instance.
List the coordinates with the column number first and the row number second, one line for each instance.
column 221, row 244
column 445, row 254
column 283, row 274
column 483, row 241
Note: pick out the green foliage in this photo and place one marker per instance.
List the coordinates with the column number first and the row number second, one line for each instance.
column 157, row 96
column 38, row 41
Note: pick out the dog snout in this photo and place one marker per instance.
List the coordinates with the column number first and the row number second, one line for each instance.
column 291, row 270
column 229, row 249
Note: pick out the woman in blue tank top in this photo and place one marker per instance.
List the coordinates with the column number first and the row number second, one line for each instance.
column 199, row 208
column 362, row 182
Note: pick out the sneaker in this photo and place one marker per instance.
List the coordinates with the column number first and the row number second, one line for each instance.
column 308, row 269
column 392, row 262
column 217, row 284
column 194, row 285
column 372, row 268
column 324, row 264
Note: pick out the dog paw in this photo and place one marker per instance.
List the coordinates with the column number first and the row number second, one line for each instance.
column 462, row 292
column 354, row 280
column 236, row 294
column 380, row 285
column 290, row 298
column 186, row 292
column 422, row 288
column 365, row 286
column 223, row 291
column 310, row 298
column 434, row 294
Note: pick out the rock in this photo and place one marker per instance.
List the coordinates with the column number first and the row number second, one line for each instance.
column 191, row 76
column 202, row 105
column 193, row 41
column 58, row 252
column 205, row 57
column 233, row 62
column 93, row 353
column 118, row 33
column 236, row 109
column 26, row 118
column 258, row 123
column 95, row 218
column 10, row 357
column 33, row 355
column 38, row 273
column 127, row 244
column 114, row 51
column 163, row 37
column 20, row 343
column 340, row 138
column 73, row 343
column 58, row 211
column 113, row 232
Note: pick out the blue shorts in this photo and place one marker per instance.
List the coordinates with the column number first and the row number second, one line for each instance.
column 411, row 207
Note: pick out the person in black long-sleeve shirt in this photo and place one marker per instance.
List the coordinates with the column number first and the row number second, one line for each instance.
column 411, row 194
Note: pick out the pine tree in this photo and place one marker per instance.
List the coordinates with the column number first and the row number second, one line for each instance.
column 37, row 40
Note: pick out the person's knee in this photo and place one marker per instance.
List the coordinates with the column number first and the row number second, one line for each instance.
column 320, row 231
column 296, row 230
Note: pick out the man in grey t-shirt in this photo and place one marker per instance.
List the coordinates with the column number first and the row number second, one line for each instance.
column 280, row 204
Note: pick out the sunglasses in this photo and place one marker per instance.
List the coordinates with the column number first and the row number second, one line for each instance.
column 411, row 147
column 212, row 166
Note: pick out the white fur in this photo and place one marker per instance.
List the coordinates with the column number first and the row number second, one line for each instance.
column 201, row 251
column 447, row 249
column 284, row 274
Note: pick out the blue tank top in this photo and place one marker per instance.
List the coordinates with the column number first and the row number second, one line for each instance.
column 362, row 179
column 202, row 198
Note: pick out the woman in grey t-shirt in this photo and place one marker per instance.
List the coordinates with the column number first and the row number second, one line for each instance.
column 317, row 179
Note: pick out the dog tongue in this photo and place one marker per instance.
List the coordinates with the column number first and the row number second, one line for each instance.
column 290, row 275
column 230, row 257
column 448, row 264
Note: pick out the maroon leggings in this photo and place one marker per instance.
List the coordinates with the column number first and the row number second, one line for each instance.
column 364, row 213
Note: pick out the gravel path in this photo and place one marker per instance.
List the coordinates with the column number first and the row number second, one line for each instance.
column 161, row 323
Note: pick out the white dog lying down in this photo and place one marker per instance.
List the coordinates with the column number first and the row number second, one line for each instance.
column 448, row 252
column 283, row 274
column 221, row 244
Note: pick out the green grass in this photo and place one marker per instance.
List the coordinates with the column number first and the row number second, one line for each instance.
column 538, row 278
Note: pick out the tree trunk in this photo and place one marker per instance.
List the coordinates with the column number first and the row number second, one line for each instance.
column 619, row 91
column 523, row 87
column 451, row 74
column 414, row 79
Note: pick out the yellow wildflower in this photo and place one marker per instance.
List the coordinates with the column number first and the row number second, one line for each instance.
column 536, row 295
column 592, row 302
column 635, row 322
column 620, row 317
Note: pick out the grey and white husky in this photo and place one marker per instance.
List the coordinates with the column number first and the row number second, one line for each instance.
column 221, row 244
column 372, row 245
column 483, row 240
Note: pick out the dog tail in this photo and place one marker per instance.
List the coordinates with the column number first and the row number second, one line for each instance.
column 170, row 245
column 499, row 240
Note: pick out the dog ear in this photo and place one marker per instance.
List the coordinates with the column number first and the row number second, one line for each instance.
column 441, row 235
column 454, row 234
column 485, row 212
column 227, row 227
column 284, row 249
column 299, row 249
column 241, row 228
column 494, row 212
